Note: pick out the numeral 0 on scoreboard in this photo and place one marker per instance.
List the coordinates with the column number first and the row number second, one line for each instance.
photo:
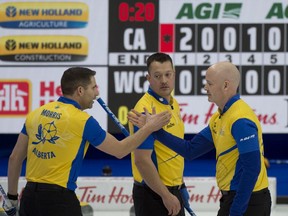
column 230, row 37
column 136, row 12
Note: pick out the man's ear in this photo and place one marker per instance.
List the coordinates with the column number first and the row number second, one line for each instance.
column 80, row 90
column 148, row 76
column 226, row 83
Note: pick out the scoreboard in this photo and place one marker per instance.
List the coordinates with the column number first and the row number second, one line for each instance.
column 40, row 39
column 197, row 34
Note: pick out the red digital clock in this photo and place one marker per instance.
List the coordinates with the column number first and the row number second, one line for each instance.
column 139, row 12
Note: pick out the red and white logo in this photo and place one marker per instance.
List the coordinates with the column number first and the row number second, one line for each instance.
column 14, row 97
column 49, row 91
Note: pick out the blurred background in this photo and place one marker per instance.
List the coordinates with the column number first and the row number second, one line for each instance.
column 41, row 39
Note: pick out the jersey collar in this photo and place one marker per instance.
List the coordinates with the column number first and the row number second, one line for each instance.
column 69, row 101
column 159, row 98
column 229, row 103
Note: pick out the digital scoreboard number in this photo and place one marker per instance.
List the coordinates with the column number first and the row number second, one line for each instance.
column 137, row 12
column 133, row 27
column 259, row 51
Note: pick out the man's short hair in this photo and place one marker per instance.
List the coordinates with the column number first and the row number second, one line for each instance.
column 74, row 77
column 158, row 57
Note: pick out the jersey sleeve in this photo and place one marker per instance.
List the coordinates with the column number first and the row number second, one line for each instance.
column 189, row 149
column 24, row 131
column 245, row 133
column 251, row 166
column 148, row 142
column 93, row 132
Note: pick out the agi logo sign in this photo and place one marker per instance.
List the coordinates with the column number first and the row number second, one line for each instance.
column 14, row 97
column 210, row 11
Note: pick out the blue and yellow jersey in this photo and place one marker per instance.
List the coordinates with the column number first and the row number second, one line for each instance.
column 224, row 129
column 169, row 164
column 59, row 135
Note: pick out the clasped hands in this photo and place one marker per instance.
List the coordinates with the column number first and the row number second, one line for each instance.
column 139, row 119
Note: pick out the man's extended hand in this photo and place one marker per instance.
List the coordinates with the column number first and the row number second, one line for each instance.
column 157, row 121
column 139, row 119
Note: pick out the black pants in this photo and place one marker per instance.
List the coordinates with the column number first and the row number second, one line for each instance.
column 149, row 203
column 40, row 199
column 259, row 204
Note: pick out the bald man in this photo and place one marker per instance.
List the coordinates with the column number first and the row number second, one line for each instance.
column 236, row 134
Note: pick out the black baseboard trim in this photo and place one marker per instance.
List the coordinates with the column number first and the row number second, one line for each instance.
column 282, row 200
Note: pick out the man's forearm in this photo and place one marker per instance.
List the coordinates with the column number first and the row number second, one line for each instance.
column 14, row 172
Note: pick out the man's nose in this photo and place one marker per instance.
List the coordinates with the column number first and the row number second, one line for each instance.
column 164, row 79
column 97, row 92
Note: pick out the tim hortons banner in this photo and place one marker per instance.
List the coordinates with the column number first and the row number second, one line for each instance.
column 115, row 193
